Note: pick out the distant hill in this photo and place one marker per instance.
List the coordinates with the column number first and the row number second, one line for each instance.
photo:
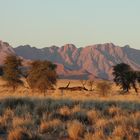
column 5, row 49
column 93, row 61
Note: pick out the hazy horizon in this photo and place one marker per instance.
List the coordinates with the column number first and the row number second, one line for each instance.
column 49, row 22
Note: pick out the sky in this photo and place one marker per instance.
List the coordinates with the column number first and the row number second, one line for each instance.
column 43, row 23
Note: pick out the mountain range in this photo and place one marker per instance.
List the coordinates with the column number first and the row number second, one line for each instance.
column 94, row 61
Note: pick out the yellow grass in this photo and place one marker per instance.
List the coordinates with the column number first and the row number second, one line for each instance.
column 75, row 129
column 80, row 115
column 22, row 122
column 18, row 134
column 46, row 125
column 75, row 95
column 65, row 111
column 93, row 116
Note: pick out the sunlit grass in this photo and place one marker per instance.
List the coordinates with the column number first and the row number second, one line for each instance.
column 73, row 115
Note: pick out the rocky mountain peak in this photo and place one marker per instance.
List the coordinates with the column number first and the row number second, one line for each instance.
column 94, row 60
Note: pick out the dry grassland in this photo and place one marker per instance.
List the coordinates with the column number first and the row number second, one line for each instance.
column 68, row 115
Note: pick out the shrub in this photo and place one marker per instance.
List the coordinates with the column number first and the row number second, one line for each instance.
column 18, row 134
column 40, row 109
column 101, row 123
column 104, row 88
column 76, row 108
column 3, row 125
column 75, row 129
column 99, row 135
column 105, row 125
column 93, row 116
column 65, row 111
column 89, row 136
column 48, row 126
column 96, row 136
column 119, row 132
column 56, row 115
column 5, row 120
column 22, row 122
column 90, row 84
column 80, row 116
column 114, row 111
column 8, row 114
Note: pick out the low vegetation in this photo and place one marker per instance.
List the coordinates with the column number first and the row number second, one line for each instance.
column 104, row 88
column 33, row 119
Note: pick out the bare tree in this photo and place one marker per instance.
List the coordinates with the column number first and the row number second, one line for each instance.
column 83, row 82
column 68, row 85
column 67, row 88
column 64, row 88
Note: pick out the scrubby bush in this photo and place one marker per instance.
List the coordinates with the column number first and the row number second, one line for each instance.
column 22, row 122
column 75, row 129
column 104, row 87
column 93, row 116
column 87, row 120
column 65, row 111
column 90, row 84
column 18, row 134
column 50, row 126
column 81, row 117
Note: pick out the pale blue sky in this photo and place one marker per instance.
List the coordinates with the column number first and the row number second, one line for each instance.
column 43, row 23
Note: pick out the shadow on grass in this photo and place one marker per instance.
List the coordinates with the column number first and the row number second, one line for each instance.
column 54, row 104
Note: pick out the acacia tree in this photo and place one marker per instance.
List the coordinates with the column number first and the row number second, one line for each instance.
column 138, row 76
column 132, row 80
column 12, row 71
column 42, row 75
column 1, row 70
column 125, row 76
